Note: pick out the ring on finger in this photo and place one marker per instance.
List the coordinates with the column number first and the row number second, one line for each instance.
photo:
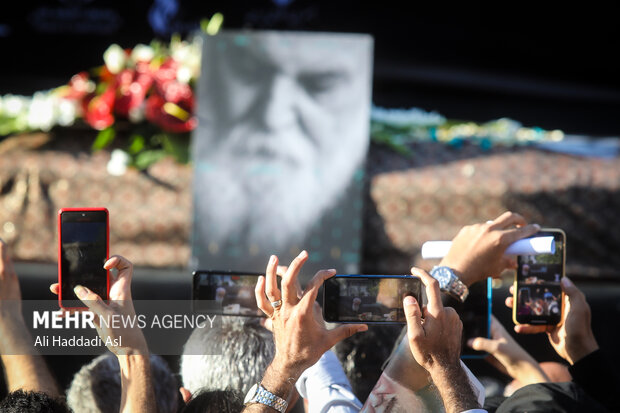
column 276, row 304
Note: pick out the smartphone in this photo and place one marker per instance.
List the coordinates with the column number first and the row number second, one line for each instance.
column 83, row 248
column 225, row 293
column 537, row 292
column 368, row 298
column 475, row 314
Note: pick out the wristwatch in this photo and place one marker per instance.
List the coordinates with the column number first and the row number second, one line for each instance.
column 449, row 283
column 258, row 394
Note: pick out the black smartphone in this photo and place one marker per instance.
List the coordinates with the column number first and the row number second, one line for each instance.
column 368, row 298
column 475, row 314
column 537, row 291
column 225, row 293
column 82, row 250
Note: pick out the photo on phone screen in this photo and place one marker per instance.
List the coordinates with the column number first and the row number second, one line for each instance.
column 368, row 298
column 225, row 293
column 537, row 290
column 475, row 314
column 83, row 249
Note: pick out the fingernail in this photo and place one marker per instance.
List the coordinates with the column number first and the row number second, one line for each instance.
column 272, row 259
column 332, row 270
column 566, row 282
column 470, row 342
column 80, row 291
column 409, row 300
column 537, row 227
column 303, row 253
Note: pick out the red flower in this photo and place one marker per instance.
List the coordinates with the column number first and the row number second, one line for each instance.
column 172, row 115
column 98, row 109
column 131, row 89
column 78, row 86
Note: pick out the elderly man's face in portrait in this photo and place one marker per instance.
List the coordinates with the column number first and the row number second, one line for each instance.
column 283, row 128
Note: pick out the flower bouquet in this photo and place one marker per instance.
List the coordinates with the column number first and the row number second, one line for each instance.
column 147, row 92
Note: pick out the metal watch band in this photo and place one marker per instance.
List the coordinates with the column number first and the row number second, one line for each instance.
column 450, row 283
column 267, row 398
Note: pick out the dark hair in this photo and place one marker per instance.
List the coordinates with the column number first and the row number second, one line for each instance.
column 215, row 401
column 21, row 401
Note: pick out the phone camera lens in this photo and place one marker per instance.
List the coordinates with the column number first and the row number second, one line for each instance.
column 83, row 215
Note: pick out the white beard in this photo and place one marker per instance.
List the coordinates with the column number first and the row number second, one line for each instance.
column 268, row 205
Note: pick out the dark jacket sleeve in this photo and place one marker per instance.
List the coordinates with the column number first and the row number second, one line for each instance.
column 595, row 375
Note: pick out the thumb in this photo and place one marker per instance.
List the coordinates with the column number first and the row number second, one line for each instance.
column 482, row 344
column 568, row 287
column 344, row 331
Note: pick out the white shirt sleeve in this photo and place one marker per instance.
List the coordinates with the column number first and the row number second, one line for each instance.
column 326, row 387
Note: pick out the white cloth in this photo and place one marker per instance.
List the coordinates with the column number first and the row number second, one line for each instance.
column 327, row 388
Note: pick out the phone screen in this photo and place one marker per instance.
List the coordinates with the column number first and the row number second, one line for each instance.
column 475, row 314
column 83, row 251
column 226, row 293
column 368, row 298
column 538, row 294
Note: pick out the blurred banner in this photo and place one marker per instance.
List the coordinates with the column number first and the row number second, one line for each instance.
column 280, row 149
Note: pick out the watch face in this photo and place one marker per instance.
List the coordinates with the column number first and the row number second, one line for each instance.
column 443, row 276
column 250, row 394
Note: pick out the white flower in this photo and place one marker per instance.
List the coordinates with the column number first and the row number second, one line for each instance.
column 41, row 112
column 117, row 165
column 14, row 105
column 66, row 112
column 142, row 53
column 114, row 58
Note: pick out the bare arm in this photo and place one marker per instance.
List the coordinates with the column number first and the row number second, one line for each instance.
column 300, row 338
column 24, row 368
column 137, row 389
column 137, row 392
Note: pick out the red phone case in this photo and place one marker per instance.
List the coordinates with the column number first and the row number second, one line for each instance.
column 107, row 253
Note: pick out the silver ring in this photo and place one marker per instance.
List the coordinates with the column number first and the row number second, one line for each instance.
column 276, row 304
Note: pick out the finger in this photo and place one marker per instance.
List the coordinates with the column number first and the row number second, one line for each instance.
column 529, row 329
column 121, row 264
column 289, row 281
column 281, row 270
column 54, row 288
column 515, row 234
column 413, row 314
column 507, row 219
column 432, row 291
column 509, row 302
column 569, row 288
column 483, row 344
column 312, row 289
column 271, row 279
column 91, row 300
column 261, row 300
column 338, row 334
column 512, row 289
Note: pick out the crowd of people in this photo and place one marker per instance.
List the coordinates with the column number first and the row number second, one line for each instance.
column 269, row 365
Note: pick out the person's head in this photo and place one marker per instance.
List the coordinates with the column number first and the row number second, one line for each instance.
column 215, row 401
column 284, row 113
column 96, row 387
column 21, row 401
column 220, row 293
column 356, row 303
column 233, row 357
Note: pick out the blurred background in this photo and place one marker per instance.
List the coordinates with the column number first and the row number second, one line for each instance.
column 477, row 108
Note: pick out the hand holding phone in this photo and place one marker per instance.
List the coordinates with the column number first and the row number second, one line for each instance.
column 537, row 291
column 83, row 249
column 368, row 298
